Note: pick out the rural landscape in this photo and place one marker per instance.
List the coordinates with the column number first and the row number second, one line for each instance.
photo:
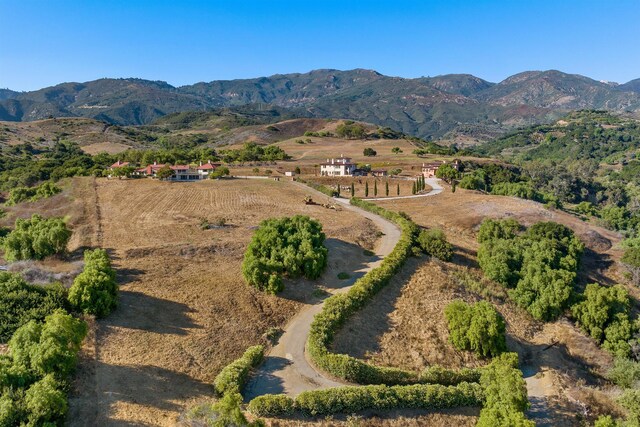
column 332, row 248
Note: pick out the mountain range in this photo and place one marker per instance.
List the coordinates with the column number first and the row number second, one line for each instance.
column 448, row 106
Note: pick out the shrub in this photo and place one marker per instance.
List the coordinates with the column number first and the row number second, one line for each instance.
column 476, row 327
column 631, row 261
column 95, row 291
column 434, row 243
column 523, row 190
column 541, row 263
column 292, row 246
column 32, row 194
column 36, row 238
column 604, row 313
column 377, row 397
column 494, row 229
column 625, row 373
column 505, row 393
column 229, row 413
column 443, row 376
column 21, row 302
column 233, row 376
column 630, row 400
column 219, row 172
column 272, row 405
column 45, row 402
column 369, row 152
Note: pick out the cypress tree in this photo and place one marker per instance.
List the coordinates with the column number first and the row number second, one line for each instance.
column 413, row 189
column 375, row 188
column 353, row 190
column 338, row 192
column 366, row 189
column 386, row 188
column 398, row 189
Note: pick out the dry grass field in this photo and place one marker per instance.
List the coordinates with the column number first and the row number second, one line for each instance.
column 185, row 310
column 404, row 326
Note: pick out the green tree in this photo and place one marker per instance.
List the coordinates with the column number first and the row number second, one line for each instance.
column 369, row 152
column 366, row 189
column 386, row 188
column 375, row 188
column 414, row 187
column 396, row 150
column 293, row 246
column 476, row 327
column 165, row 172
column 397, row 189
column 353, row 190
column 95, row 291
column 447, row 172
column 219, row 172
column 45, row 402
column 36, row 238
column 631, row 261
column 434, row 243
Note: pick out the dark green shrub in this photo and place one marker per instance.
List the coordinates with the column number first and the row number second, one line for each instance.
column 45, row 402
column 494, row 229
column 476, row 327
column 95, row 291
column 434, row 243
column 604, row 313
column 233, row 376
column 439, row 375
column 21, row 302
column 32, row 194
column 625, row 373
column 36, row 238
column 292, row 246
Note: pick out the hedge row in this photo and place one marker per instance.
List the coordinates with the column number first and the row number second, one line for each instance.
column 319, row 187
column 339, row 308
column 233, row 376
column 354, row 399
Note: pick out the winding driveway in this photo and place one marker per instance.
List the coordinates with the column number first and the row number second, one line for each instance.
column 286, row 368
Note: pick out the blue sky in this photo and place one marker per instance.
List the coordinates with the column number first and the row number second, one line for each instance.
column 182, row 42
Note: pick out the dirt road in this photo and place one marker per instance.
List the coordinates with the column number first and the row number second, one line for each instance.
column 286, row 368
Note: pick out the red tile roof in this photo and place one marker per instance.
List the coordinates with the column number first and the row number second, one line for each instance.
column 119, row 164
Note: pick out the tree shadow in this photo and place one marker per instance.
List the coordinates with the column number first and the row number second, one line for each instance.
column 142, row 385
column 592, row 267
column 343, row 257
column 140, row 311
column 464, row 257
column 265, row 380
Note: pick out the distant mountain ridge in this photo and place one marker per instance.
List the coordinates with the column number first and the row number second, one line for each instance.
column 429, row 107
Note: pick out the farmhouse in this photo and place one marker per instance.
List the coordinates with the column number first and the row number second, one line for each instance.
column 180, row 172
column 429, row 169
column 117, row 165
column 342, row 166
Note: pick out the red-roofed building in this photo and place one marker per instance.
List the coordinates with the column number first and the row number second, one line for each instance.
column 150, row 170
column 119, row 164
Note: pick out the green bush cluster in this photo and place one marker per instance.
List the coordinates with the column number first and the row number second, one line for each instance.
column 434, row 243
column 233, row 376
column 505, row 393
column 252, row 152
column 293, row 246
column 523, row 190
column 476, row 327
column 32, row 194
column 34, row 375
column 605, row 314
column 539, row 265
column 95, row 291
column 376, row 397
column 351, row 130
column 36, row 238
column 21, row 302
column 625, row 373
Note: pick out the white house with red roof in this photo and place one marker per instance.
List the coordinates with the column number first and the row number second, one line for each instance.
column 180, row 172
